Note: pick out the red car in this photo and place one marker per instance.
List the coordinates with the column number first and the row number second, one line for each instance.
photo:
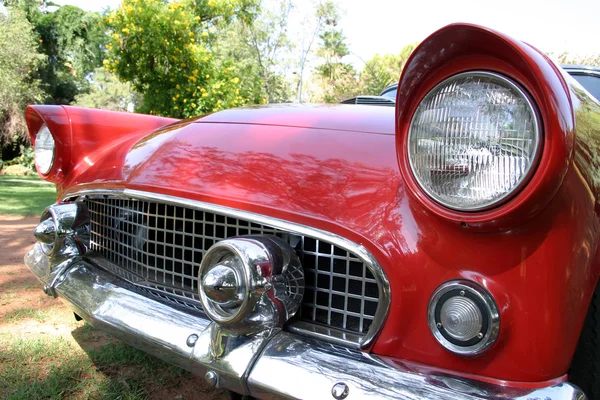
column 444, row 248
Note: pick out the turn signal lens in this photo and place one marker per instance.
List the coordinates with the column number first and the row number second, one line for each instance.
column 44, row 150
column 473, row 140
column 463, row 317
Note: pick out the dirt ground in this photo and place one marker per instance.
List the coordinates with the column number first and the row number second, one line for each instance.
column 15, row 239
column 20, row 289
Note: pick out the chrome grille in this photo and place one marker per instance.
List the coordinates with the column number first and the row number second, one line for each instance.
column 160, row 246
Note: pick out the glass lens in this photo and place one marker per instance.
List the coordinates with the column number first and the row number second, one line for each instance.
column 461, row 318
column 473, row 140
column 44, row 150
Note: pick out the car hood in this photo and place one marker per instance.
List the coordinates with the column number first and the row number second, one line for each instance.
column 333, row 117
column 295, row 159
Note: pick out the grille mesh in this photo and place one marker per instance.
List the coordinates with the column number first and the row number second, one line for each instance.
column 160, row 246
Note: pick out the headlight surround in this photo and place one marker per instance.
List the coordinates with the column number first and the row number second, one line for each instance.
column 474, row 140
column 44, row 150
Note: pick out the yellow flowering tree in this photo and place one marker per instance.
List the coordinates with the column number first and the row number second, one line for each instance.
column 164, row 48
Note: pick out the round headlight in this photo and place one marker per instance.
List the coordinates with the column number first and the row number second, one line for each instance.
column 44, row 150
column 463, row 317
column 473, row 140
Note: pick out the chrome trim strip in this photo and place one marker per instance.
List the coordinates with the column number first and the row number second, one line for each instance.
column 324, row 333
column 382, row 282
column 582, row 71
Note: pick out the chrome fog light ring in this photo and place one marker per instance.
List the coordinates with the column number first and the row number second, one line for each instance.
column 250, row 283
column 463, row 317
column 211, row 260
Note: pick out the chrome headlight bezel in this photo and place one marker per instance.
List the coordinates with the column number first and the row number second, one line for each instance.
column 537, row 138
column 44, row 142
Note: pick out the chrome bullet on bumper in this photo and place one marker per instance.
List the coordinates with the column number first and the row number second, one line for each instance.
column 270, row 364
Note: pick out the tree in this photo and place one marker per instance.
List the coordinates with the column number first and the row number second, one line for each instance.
column 18, row 62
column 566, row 58
column 383, row 70
column 166, row 50
column 73, row 42
column 107, row 92
column 260, row 48
column 268, row 37
column 312, row 27
column 336, row 78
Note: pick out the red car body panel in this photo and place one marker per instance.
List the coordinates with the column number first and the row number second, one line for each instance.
column 342, row 169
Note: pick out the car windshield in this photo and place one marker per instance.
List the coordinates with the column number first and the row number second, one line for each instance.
column 591, row 83
column 390, row 93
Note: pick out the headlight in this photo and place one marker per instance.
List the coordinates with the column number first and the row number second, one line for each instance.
column 473, row 140
column 44, row 150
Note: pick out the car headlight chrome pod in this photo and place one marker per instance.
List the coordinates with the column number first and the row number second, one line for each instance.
column 250, row 283
column 463, row 317
column 474, row 140
column 44, row 150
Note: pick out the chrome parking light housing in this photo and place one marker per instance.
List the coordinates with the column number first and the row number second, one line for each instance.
column 64, row 229
column 251, row 283
column 463, row 317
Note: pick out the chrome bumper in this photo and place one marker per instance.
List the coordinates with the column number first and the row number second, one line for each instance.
column 273, row 365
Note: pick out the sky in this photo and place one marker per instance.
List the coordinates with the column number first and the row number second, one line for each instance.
column 386, row 26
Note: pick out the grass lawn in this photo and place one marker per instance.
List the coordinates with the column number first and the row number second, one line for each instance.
column 84, row 364
column 25, row 195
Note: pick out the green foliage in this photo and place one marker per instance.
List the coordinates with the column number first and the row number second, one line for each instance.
column 24, row 164
column 590, row 59
column 107, row 92
column 27, row 158
column 73, row 42
column 383, row 70
column 260, row 47
column 18, row 62
column 337, row 79
column 165, row 49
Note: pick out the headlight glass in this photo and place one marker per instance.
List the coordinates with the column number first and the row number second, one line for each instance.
column 44, row 150
column 473, row 140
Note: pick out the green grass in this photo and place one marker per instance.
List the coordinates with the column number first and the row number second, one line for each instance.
column 56, row 367
column 41, row 315
column 25, row 195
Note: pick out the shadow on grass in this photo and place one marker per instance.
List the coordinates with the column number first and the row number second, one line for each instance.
column 52, row 367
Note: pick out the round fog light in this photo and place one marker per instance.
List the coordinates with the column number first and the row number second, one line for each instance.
column 250, row 283
column 463, row 317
